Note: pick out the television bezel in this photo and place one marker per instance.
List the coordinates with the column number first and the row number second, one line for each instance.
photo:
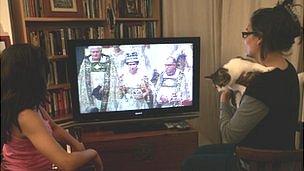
column 176, row 113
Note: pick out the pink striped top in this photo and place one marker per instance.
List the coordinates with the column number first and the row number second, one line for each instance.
column 20, row 155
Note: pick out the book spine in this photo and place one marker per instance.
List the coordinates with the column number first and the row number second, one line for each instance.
column 63, row 42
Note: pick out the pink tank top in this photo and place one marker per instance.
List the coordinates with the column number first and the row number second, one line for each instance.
column 20, row 155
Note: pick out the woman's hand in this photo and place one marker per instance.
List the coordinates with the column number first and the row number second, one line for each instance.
column 78, row 147
column 98, row 163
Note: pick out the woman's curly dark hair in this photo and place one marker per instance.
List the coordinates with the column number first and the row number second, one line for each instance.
column 278, row 27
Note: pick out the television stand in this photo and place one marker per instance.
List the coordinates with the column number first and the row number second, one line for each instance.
column 153, row 126
column 139, row 127
column 161, row 149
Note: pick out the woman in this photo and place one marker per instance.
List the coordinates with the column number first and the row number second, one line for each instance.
column 267, row 117
column 268, row 113
column 29, row 134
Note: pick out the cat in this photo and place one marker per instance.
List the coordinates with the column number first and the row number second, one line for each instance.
column 228, row 77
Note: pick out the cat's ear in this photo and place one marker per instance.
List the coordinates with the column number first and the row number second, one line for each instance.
column 208, row 77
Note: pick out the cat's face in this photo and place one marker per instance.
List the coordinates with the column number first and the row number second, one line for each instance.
column 220, row 79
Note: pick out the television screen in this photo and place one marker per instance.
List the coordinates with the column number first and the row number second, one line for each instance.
column 125, row 79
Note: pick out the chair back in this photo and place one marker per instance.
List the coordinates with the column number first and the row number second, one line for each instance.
column 271, row 160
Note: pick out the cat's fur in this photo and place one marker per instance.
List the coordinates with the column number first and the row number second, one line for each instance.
column 228, row 76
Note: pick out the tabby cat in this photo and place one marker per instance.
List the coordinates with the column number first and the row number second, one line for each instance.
column 235, row 75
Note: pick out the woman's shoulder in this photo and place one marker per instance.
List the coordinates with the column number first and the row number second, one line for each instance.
column 272, row 82
column 28, row 115
column 275, row 75
column 24, row 117
column 278, row 75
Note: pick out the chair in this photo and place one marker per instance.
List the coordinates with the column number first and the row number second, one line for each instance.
column 299, row 134
column 271, row 160
column 213, row 157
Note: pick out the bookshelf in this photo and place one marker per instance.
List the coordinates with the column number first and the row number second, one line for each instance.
column 49, row 25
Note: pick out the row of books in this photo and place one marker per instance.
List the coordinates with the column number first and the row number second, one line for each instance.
column 54, row 41
column 59, row 103
column 89, row 8
column 139, row 30
column 58, row 72
column 41, row 8
column 134, row 8
column 93, row 8
column 33, row 8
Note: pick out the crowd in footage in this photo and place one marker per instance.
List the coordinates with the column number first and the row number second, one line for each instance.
column 130, row 77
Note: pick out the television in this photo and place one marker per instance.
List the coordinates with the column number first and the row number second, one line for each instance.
column 134, row 80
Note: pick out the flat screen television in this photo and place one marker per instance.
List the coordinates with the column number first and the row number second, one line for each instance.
column 142, row 79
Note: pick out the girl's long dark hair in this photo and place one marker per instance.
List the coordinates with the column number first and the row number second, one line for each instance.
column 278, row 27
column 24, row 71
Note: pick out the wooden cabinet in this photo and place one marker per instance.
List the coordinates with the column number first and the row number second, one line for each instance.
column 162, row 150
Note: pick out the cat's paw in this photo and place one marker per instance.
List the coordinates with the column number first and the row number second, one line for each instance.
column 268, row 69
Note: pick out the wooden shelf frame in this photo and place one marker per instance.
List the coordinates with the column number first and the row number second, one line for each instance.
column 24, row 25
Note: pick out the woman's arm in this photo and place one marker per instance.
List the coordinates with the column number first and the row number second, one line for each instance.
column 62, row 135
column 32, row 127
column 235, row 126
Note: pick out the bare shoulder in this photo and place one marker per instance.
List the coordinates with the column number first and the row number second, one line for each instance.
column 24, row 118
column 29, row 120
column 28, row 114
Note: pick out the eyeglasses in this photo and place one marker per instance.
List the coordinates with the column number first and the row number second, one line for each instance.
column 246, row 34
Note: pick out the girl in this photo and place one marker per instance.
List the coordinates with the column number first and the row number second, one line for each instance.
column 28, row 133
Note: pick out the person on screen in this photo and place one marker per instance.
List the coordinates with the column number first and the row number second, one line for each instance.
column 96, row 81
column 183, row 65
column 181, row 62
column 133, row 86
column 155, row 76
column 171, row 88
column 28, row 134
column 118, row 57
column 267, row 117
